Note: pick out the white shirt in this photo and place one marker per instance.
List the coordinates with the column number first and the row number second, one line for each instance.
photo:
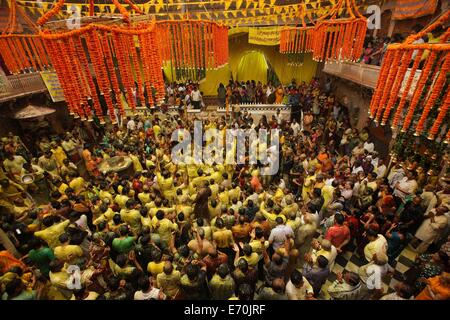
column 357, row 170
column 278, row 235
column 408, row 187
column 131, row 125
column 430, row 231
column 153, row 294
column 380, row 171
column 196, row 96
column 295, row 293
column 369, row 146
column 295, row 126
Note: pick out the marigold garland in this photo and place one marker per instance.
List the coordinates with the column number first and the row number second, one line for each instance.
column 407, row 88
column 389, row 82
column 437, row 89
column 405, row 58
column 440, row 118
column 192, row 45
column 424, row 100
column 381, row 84
column 418, row 91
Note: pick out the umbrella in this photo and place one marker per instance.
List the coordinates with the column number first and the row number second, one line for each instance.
column 32, row 111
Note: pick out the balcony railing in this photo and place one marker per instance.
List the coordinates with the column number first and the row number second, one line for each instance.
column 20, row 85
column 363, row 74
column 366, row 75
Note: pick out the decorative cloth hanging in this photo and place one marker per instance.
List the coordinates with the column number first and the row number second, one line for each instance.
column 426, row 111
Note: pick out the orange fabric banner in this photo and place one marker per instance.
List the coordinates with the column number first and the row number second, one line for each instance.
column 409, row 9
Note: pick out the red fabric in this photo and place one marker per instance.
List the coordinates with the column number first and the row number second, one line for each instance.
column 337, row 234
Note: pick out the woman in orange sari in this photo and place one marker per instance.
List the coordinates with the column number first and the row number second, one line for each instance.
column 279, row 94
column 438, row 288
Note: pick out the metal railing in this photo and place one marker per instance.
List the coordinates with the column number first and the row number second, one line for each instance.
column 20, row 85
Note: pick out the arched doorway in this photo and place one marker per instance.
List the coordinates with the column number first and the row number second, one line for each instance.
column 252, row 66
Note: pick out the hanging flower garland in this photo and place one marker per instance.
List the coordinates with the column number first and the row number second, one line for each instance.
column 298, row 39
column 21, row 52
column 85, row 87
column 192, row 45
column 426, row 109
column 339, row 39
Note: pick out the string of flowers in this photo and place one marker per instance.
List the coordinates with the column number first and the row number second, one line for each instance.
column 136, row 67
column 381, row 84
column 437, row 89
column 91, row 90
column 72, row 80
column 418, row 91
column 79, row 80
column 407, row 88
column 111, row 70
column 406, row 57
column 97, row 62
column 124, row 68
column 389, row 82
column 440, row 118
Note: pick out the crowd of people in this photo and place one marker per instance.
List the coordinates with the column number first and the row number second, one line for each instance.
column 375, row 48
column 71, row 231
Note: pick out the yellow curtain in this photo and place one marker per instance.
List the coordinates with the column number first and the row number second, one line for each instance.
column 252, row 66
column 243, row 68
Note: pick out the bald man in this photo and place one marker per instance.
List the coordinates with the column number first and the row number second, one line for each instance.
column 276, row 292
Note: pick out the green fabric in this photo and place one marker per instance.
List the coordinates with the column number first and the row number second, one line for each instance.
column 42, row 258
column 123, row 245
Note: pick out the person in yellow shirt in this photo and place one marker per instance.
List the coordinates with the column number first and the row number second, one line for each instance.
column 271, row 217
column 156, row 266
column 72, row 254
column 131, row 216
column 51, row 234
column 144, row 196
column 137, row 166
column 164, row 227
column 77, row 184
column 223, row 196
column 58, row 153
column 251, row 257
column 122, row 198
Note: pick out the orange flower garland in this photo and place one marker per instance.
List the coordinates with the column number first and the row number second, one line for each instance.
column 124, row 66
column 137, row 70
column 47, row 16
column 405, row 58
column 418, row 91
column 106, row 52
column 91, row 90
column 407, row 88
column 433, row 75
column 20, row 51
column 375, row 103
column 193, row 45
column 437, row 89
column 350, row 30
column 389, row 82
column 440, row 118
